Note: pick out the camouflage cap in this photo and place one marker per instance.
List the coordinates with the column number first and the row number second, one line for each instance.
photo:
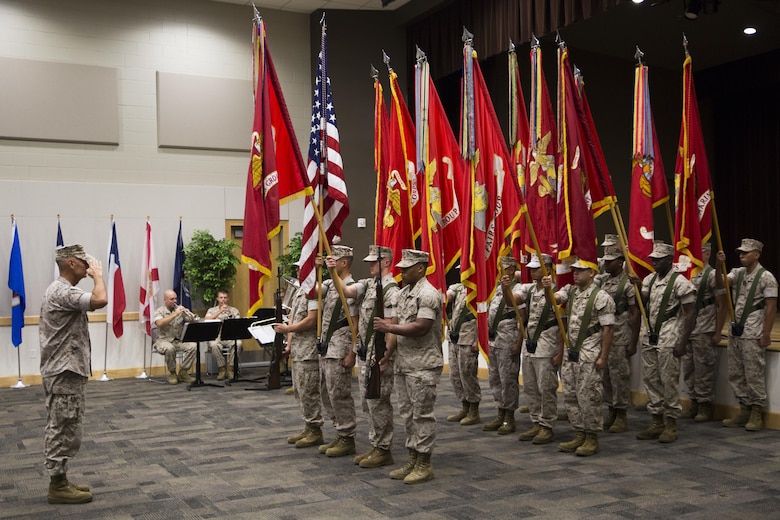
column 579, row 264
column 75, row 251
column 750, row 244
column 341, row 251
column 610, row 240
column 661, row 250
column 612, row 253
column 507, row 261
column 533, row 263
column 374, row 250
column 410, row 257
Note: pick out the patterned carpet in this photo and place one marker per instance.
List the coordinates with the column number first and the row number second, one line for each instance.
column 154, row 451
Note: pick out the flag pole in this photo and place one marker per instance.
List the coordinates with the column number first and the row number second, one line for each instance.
column 105, row 377
column 623, row 239
column 323, row 242
column 143, row 374
column 19, row 384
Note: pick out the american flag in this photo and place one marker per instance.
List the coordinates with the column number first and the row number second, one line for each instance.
column 325, row 173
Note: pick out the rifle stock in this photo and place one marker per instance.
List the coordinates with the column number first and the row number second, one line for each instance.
column 274, row 381
column 374, row 375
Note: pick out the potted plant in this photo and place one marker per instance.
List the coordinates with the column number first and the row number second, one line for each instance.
column 209, row 266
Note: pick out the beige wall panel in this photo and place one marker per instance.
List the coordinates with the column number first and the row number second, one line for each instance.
column 203, row 113
column 60, row 102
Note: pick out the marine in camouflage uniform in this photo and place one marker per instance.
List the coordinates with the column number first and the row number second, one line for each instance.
column 617, row 375
column 464, row 358
column 541, row 357
column 671, row 323
column 416, row 340
column 336, row 364
column 755, row 316
column 222, row 311
column 380, row 411
column 698, row 363
column 591, row 318
column 302, row 343
column 169, row 319
column 66, row 364
column 504, row 358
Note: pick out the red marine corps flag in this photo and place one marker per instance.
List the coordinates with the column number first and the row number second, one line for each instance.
column 276, row 171
column 693, row 211
column 381, row 156
column 444, row 172
column 576, row 229
column 496, row 203
column 519, row 139
column 648, row 183
column 541, row 180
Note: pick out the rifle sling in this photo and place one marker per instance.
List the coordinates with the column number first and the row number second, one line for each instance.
column 749, row 307
column 370, row 327
column 584, row 333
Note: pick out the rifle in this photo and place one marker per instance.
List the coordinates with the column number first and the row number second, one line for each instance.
column 373, row 374
column 274, row 380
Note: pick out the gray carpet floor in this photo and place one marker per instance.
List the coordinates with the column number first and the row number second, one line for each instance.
column 155, row 451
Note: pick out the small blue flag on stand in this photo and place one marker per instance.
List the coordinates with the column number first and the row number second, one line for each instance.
column 16, row 284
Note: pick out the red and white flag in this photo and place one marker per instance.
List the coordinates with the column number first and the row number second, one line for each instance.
column 325, row 173
column 115, row 287
column 150, row 283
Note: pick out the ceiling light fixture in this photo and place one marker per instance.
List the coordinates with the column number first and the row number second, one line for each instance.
column 637, row 1
column 750, row 31
column 693, row 9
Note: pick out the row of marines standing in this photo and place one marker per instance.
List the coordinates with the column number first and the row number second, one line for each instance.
column 684, row 320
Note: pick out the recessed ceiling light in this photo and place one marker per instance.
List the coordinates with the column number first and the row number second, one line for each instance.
column 750, row 31
column 637, row 1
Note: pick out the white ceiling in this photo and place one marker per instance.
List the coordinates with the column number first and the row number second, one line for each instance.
column 309, row 6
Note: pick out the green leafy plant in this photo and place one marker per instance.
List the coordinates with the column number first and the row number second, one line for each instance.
column 210, row 265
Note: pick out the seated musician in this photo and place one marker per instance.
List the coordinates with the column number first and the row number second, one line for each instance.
column 169, row 320
column 222, row 311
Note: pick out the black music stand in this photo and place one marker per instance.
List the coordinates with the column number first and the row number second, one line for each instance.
column 235, row 329
column 195, row 332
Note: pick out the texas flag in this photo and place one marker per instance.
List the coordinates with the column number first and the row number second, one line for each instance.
column 116, row 286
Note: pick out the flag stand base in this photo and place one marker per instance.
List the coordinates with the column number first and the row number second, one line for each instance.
column 104, row 377
column 19, row 384
column 142, row 375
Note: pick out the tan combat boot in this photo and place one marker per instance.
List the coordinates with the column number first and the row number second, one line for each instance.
column 325, row 447
column 292, row 439
column 670, row 431
column 461, row 414
column 313, row 438
column 359, row 457
column 184, row 377
column 545, row 436
column 379, row 458
column 172, row 379
column 422, row 472
column 472, row 417
column 80, row 487
column 406, row 469
column 62, row 492
column 590, row 446
column 529, row 435
column 621, row 423
column 221, row 374
column 705, row 413
column 496, row 423
column 654, row 430
column 756, row 422
column 692, row 411
column 572, row 445
column 290, row 390
column 344, row 446
column 609, row 420
column 508, row 426
column 230, row 372
column 523, row 408
column 740, row 420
